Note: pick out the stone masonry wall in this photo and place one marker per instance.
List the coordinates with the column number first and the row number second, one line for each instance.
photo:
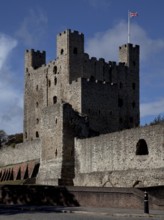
column 20, row 153
column 102, row 113
column 112, row 158
column 51, row 147
column 115, row 87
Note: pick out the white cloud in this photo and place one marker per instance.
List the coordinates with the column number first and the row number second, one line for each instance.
column 32, row 28
column 10, row 97
column 105, row 44
column 6, row 45
column 149, row 47
column 152, row 108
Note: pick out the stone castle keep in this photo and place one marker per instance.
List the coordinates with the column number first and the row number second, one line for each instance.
column 81, row 122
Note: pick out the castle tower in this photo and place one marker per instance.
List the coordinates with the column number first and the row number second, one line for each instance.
column 129, row 54
column 70, row 50
column 34, row 95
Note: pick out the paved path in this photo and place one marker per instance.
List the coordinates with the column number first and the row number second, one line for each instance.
column 79, row 213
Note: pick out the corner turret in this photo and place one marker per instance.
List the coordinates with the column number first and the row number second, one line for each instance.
column 35, row 59
column 129, row 54
column 70, row 51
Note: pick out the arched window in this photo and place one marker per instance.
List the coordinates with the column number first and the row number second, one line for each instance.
column 37, row 134
column 62, row 51
column 133, row 86
column 141, row 147
column 120, row 102
column 131, row 119
column 55, row 70
column 92, row 78
column 49, row 83
column 133, row 104
column 110, row 75
column 75, row 50
column 121, row 85
column 56, row 153
column 55, row 81
column 55, row 99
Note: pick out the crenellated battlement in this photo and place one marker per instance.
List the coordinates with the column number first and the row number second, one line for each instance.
column 35, row 58
column 35, row 51
column 69, row 43
column 102, row 62
column 129, row 54
column 101, row 70
column 72, row 33
column 133, row 46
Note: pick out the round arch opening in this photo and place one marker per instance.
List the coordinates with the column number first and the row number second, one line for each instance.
column 142, row 148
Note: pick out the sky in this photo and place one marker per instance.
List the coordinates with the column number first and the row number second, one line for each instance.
column 35, row 24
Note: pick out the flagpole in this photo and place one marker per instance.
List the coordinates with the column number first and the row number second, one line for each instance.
column 128, row 27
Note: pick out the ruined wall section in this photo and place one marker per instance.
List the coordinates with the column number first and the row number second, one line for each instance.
column 116, row 158
column 74, row 125
column 51, row 131
column 59, row 125
column 20, row 153
column 52, row 142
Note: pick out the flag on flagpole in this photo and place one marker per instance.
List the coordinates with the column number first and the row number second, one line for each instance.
column 133, row 14
column 130, row 15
